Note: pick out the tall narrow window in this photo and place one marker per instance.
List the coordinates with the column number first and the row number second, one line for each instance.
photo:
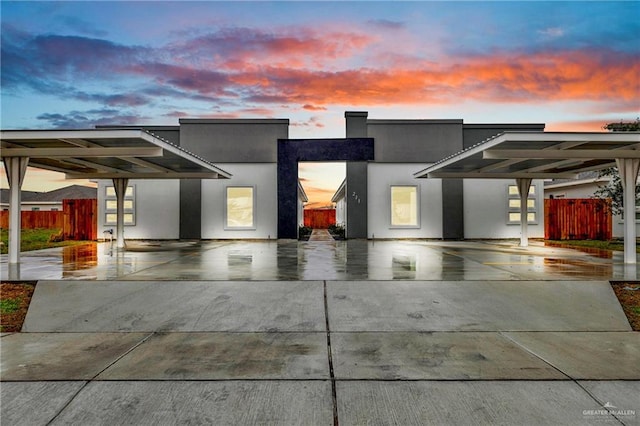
column 404, row 206
column 111, row 206
column 240, row 207
column 513, row 206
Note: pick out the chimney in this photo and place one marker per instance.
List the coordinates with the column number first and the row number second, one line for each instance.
column 356, row 123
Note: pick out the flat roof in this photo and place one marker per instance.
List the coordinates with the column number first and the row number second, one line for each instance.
column 107, row 153
column 537, row 155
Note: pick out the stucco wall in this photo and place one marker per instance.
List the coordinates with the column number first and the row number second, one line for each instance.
column 486, row 209
column 157, row 209
column 398, row 141
column 264, row 178
column 381, row 177
column 234, row 141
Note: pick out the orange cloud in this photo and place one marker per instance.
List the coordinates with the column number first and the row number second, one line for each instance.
column 567, row 75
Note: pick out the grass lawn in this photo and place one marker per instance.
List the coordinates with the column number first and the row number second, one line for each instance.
column 34, row 239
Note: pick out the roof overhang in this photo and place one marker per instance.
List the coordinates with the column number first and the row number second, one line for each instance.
column 340, row 192
column 302, row 195
column 537, row 155
column 106, row 154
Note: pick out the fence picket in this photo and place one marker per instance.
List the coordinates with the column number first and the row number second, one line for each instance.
column 577, row 219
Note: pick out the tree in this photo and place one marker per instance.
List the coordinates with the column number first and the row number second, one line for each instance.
column 613, row 189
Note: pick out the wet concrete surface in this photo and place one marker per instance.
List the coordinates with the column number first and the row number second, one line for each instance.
column 317, row 260
column 47, row 356
column 354, row 332
column 186, row 306
column 224, row 356
column 435, row 356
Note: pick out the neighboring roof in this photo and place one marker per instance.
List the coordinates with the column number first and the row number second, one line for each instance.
column 340, row 192
column 26, row 196
column 585, row 178
column 106, row 153
column 73, row 192
column 301, row 193
column 537, row 155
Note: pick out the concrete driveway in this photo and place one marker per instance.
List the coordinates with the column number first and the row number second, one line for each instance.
column 322, row 352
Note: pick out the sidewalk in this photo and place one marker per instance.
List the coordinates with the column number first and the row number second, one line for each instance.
column 322, row 352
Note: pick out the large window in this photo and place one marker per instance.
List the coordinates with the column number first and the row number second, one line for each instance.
column 111, row 206
column 405, row 206
column 240, row 207
column 513, row 208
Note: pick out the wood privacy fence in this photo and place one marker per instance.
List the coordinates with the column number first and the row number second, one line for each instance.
column 77, row 220
column 319, row 218
column 35, row 219
column 577, row 219
column 80, row 219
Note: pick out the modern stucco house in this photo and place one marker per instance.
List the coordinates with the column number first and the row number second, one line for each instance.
column 380, row 197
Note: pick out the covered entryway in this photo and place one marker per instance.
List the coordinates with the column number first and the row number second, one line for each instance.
column 355, row 151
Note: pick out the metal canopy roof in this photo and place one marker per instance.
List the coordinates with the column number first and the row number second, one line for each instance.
column 106, row 154
column 537, row 155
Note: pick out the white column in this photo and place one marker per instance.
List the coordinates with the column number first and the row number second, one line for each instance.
column 16, row 168
column 120, row 186
column 523, row 189
column 628, row 170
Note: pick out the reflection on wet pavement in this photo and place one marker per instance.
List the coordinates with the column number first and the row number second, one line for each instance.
column 325, row 260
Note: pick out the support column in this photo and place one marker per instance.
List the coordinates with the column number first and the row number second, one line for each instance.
column 120, row 186
column 628, row 170
column 16, row 168
column 523, row 190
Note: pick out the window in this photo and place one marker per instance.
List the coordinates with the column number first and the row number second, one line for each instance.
column 513, row 206
column 404, row 206
column 111, row 206
column 240, row 207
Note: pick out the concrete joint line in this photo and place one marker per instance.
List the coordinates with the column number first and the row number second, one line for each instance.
column 562, row 372
column 86, row 383
column 501, row 333
column 332, row 376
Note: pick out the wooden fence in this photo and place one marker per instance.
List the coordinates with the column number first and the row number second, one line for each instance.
column 577, row 219
column 35, row 219
column 319, row 218
column 78, row 220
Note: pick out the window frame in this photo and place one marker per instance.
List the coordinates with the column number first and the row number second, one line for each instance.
column 412, row 226
column 114, row 211
column 533, row 196
column 254, row 210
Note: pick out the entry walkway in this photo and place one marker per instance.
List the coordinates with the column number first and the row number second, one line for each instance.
column 322, row 353
column 320, row 235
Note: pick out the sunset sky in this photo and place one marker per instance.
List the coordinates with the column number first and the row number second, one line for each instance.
column 572, row 65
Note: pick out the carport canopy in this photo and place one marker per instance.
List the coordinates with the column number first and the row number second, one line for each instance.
column 524, row 156
column 117, row 154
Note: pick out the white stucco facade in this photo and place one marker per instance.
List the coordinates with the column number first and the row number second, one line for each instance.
column 486, row 209
column 381, row 177
column 263, row 178
column 156, row 208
